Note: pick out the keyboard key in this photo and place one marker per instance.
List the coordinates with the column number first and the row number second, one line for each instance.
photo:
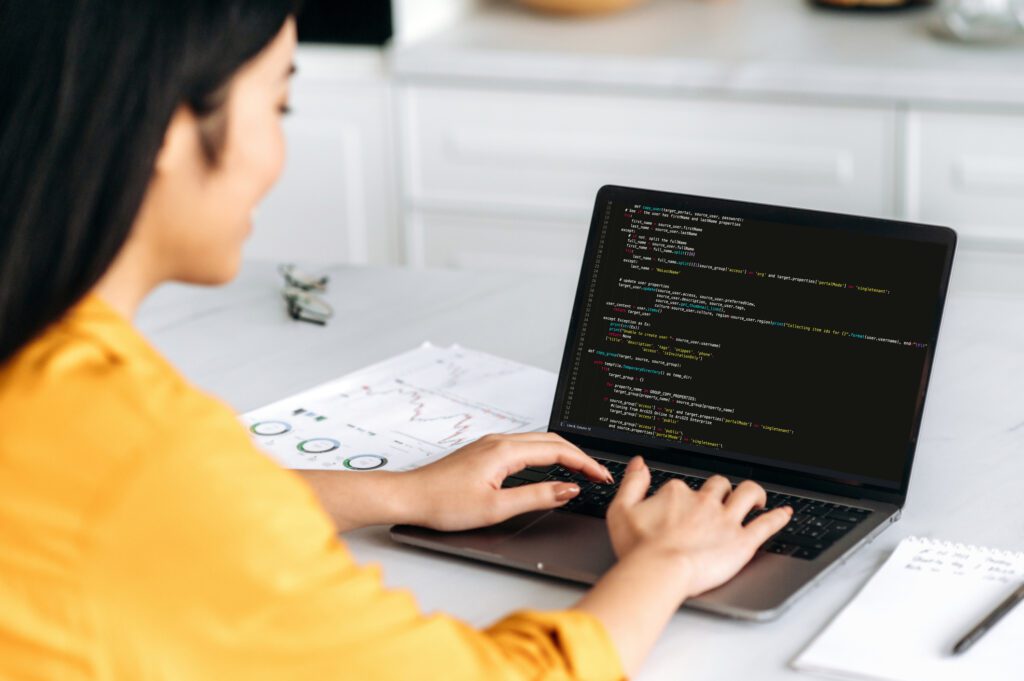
column 799, row 504
column 831, row 537
column 800, row 540
column 846, row 516
column 812, row 532
column 513, row 482
column 818, row 508
column 585, row 487
column 532, row 476
column 583, row 507
column 780, row 548
column 807, row 553
column 798, row 520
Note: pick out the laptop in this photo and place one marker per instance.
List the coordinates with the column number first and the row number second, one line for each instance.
column 787, row 346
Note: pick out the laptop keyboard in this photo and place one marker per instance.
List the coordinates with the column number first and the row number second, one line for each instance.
column 815, row 525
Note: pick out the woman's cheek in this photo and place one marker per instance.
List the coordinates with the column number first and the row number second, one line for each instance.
column 274, row 158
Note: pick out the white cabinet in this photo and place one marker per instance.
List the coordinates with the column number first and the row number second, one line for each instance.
column 966, row 170
column 336, row 201
column 486, row 172
column 464, row 174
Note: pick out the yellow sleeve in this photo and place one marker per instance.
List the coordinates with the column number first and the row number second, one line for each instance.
column 207, row 561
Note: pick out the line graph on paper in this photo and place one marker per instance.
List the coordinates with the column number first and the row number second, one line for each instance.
column 404, row 412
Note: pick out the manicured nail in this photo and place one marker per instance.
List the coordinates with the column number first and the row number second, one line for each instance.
column 565, row 491
column 607, row 475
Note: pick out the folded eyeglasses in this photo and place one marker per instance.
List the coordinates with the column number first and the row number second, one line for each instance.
column 299, row 292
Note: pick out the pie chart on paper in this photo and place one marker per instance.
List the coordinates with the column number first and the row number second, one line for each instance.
column 365, row 462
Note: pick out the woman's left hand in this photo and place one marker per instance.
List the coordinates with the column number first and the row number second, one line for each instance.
column 463, row 490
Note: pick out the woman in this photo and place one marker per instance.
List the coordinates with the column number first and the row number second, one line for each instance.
column 142, row 534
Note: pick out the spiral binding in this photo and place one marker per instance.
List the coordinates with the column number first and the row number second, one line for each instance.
column 970, row 548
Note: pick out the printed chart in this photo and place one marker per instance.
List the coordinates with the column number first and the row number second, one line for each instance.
column 404, row 412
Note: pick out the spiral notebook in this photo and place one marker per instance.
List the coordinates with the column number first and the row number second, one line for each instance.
column 904, row 622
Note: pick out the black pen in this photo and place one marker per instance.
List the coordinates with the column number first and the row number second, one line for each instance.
column 990, row 621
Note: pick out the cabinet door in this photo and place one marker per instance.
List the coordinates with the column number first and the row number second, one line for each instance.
column 966, row 170
column 335, row 201
column 545, row 154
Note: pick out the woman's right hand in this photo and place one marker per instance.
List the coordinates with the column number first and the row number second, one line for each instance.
column 702, row 530
column 675, row 544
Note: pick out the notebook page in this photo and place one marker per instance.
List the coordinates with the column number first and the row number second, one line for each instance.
column 904, row 622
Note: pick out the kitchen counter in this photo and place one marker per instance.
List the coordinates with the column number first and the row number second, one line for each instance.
column 783, row 48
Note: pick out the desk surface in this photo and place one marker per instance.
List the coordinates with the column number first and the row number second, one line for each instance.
column 968, row 476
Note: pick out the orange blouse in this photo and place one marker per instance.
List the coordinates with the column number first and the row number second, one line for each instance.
column 143, row 536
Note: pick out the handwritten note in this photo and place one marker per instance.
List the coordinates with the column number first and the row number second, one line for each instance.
column 957, row 560
column 904, row 622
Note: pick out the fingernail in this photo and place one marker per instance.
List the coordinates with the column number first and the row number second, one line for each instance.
column 565, row 491
column 635, row 463
column 607, row 474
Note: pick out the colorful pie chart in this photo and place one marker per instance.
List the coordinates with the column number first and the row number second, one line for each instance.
column 365, row 462
column 318, row 445
column 270, row 427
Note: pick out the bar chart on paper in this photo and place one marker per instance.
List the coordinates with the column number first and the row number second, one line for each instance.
column 404, row 412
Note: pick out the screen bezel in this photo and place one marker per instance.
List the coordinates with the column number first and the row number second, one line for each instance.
column 693, row 456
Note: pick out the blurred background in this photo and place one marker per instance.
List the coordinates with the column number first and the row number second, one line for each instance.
column 473, row 134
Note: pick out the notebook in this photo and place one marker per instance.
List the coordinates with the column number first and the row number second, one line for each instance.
column 904, row 622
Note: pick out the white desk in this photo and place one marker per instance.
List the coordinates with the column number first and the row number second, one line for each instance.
column 967, row 484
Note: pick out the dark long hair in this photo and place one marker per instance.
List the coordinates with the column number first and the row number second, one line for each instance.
column 87, row 90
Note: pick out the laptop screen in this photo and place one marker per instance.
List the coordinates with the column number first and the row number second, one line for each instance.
column 767, row 336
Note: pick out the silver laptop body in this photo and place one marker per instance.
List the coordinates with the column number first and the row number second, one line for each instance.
column 879, row 324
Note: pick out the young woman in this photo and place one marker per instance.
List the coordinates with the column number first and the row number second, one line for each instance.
column 142, row 536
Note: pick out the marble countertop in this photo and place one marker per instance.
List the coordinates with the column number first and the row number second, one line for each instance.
column 238, row 342
column 780, row 48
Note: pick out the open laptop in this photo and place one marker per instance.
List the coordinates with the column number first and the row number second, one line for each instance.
column 787, row 346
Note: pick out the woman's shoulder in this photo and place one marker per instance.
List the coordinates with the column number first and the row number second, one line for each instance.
column 90, row 402
column 91, row 378
column 150, row 494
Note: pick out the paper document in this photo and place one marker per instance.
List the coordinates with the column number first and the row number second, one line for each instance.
column 404, row 412
column 903, row 624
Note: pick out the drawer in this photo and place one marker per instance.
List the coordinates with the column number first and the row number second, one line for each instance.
column 495, row 243
column 546, row 154
column 967, row 171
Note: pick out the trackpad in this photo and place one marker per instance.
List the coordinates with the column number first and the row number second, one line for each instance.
column 569, row 545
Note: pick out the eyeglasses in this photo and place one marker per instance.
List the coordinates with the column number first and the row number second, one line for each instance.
column 303, row 304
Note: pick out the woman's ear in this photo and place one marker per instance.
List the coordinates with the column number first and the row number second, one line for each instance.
column 180, row 149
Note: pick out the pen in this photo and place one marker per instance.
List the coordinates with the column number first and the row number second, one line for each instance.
column 983, row 626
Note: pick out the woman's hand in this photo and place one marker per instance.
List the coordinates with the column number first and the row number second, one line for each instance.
column 463, row 490
column 703, row 529
column 676, row 544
